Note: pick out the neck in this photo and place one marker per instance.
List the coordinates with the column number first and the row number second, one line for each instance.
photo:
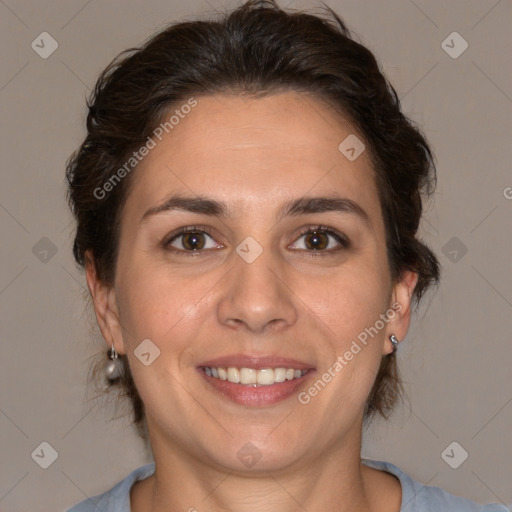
column 335, row 481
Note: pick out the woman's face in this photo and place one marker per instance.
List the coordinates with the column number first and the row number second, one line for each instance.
column 252, row 287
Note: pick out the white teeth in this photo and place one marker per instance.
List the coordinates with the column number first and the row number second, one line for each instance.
column 247, row 376
column 251, row 376
column 280, row 374
column 233, row 375
column 266, row 376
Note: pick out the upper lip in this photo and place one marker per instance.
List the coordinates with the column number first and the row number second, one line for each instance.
column 256, row 362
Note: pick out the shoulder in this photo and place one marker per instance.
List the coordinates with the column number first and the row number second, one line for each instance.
column 417, row 497
column 116, row 499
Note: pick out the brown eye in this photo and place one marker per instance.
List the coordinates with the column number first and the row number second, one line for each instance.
column 321, row 240
column 193, row 241
column 315, row 240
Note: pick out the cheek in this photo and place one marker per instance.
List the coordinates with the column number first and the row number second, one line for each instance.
column 348, row 300
column 157, row 304
column 165, row 309
column 348, row 308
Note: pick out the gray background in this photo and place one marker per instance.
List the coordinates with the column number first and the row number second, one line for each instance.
column 457, row 357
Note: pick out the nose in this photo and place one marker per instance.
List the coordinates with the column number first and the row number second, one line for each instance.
column 257, row 295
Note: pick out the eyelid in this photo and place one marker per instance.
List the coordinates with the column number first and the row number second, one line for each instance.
column 342, row 240
column 166, row 243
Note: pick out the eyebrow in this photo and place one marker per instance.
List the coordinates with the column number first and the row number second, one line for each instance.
column 293, row 207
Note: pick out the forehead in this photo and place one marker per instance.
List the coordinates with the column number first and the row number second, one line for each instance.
column 252, row 153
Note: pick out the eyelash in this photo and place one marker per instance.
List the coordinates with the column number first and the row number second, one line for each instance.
column 340, row 238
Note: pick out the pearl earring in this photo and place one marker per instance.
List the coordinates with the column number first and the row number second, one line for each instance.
column 394, row 342
column 113, row 367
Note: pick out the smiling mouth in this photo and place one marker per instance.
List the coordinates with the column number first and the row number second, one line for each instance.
column 253, row 377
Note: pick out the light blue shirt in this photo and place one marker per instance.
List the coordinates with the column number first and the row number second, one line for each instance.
column 415, row 496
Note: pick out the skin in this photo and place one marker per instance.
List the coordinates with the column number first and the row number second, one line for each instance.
column 254, row 154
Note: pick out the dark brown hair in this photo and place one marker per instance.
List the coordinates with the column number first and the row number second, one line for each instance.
column 256, row 49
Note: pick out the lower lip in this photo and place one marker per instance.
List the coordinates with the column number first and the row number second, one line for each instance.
column 257, row 396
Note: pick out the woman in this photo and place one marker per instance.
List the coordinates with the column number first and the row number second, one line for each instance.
column 247, row 202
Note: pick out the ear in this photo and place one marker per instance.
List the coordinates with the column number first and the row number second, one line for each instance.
column 401, row 298
column 105, row 305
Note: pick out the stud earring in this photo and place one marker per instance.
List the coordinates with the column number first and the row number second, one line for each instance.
column 394, row 342
column 113, row 367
